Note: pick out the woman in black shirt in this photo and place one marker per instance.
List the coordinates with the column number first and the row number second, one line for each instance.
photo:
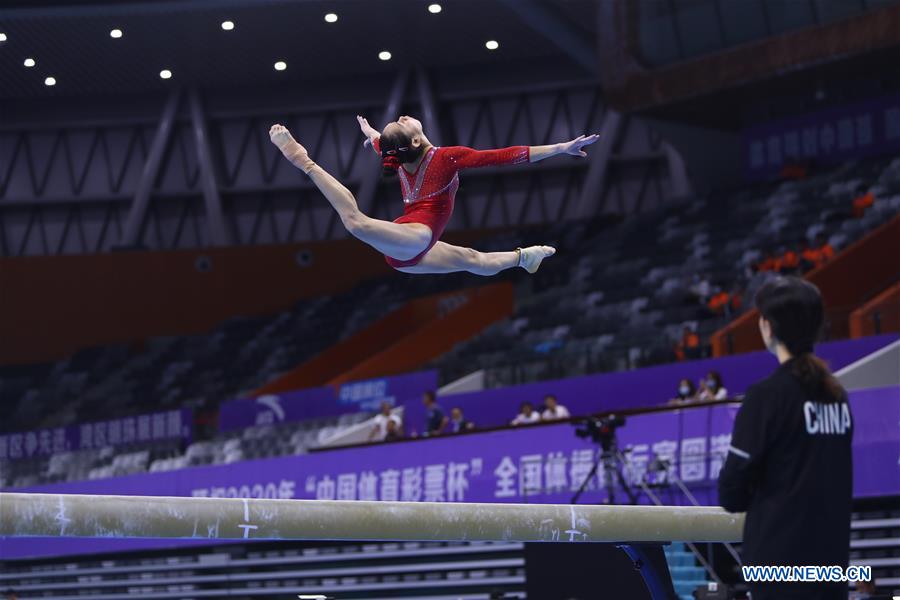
column 789, row 464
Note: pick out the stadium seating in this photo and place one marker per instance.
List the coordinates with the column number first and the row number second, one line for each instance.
column 629, row 283
column 470, row 571
column 627, row 280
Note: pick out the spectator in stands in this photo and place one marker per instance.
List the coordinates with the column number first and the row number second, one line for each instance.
column 380, row 428
column 689, row 346
column 10, row 594
column 553, row 410
column 711, row 388
column 863, row 201
column 790, row 260
column 435, row 419
column 820, row 252
column 527, row 415
column 686, row 392
column 392, row 431
column 700, row 289
column 810, row 258
column 719, row 302
column 458, row 422
column 769, row 263
column 824, row 248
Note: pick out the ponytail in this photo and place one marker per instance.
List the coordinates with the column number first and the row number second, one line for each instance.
column 816, row 378
column 794, row 309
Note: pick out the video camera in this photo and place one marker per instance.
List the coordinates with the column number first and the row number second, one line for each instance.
column 601, row 430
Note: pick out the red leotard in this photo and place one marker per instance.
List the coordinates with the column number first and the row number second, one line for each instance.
column 429, row 193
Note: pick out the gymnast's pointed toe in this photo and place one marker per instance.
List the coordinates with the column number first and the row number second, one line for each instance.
column 532, row 257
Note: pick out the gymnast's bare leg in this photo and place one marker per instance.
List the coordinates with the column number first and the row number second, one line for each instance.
column 402, row 241
column 447, row 258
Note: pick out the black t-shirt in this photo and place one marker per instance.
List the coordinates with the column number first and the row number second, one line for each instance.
column 790, row 467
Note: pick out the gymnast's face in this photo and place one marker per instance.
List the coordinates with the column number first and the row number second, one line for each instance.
column 410, row 128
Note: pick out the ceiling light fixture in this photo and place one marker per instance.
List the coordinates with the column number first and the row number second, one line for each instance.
column 227, row 25
column 280, row 65
column 434, row 8
column 165, row 74
column 384, row 55
column 2, row 37
column 115, row 34
column 29, row 62
column 492, row 44
column 50, row 81
column 331, row 18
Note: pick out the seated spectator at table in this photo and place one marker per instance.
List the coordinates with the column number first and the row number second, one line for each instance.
column 527, row 415
column 686, row 392
column 711, row 388
column 458, row 422
column 689, row 346
column 392, row 431
column 435, row 419
column 553, row 410
column 380, row 428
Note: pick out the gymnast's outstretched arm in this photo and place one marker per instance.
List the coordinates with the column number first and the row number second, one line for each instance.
column 572, row 147
column 464, row 157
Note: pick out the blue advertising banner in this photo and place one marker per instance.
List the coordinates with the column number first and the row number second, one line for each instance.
column 396, row 390
column 317, row 403
column 170, row 425
column 543, row 464
column 272, row 409
column 826, row 137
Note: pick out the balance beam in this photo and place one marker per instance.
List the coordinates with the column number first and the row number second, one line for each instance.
column 73, row 515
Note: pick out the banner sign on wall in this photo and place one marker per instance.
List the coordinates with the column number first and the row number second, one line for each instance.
column 170, row 425
column 396, row 390
column 318, row 403
column 272, row 409
column 826, row 137
column 544, row 464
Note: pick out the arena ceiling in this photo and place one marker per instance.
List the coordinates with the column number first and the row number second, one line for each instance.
column 70, row 41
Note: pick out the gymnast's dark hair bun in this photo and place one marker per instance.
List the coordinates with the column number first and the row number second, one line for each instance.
column 396, row 149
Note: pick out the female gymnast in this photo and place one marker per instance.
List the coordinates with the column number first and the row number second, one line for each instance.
column 429, row 180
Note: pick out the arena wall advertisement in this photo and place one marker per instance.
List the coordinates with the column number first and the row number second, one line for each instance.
column 541, row 464
column 316, row 403
column 825, row 137
column 162, row 426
